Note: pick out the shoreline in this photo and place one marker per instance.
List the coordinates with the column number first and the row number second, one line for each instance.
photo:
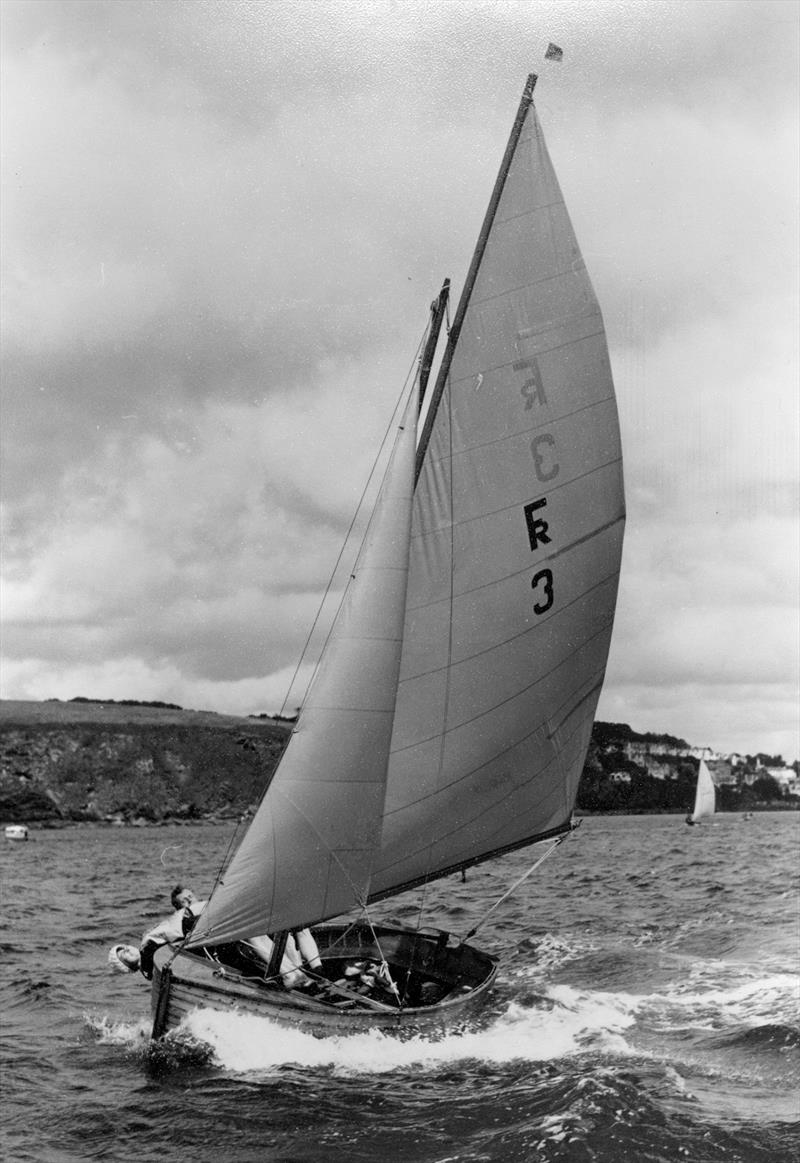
column 57, row 825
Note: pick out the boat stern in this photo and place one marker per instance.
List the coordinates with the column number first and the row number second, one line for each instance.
column 159, row 999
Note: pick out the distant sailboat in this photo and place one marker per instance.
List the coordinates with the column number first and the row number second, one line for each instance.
column 705, row 796
column 449, row 718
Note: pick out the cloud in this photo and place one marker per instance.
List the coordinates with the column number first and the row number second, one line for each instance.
column 222, row 226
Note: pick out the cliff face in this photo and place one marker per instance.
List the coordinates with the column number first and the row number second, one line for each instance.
column 103, row 763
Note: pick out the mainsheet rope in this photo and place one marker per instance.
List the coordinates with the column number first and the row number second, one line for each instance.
column 516, row 884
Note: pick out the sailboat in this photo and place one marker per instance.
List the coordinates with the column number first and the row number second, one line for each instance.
column 705, row 796
column 448, row 719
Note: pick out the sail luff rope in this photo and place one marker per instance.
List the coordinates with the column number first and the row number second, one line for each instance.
column 359, row 507
column 514, row 887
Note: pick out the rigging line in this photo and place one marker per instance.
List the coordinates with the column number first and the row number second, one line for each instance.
column 514, row 886
column 420, row 910
column 472, row 862
column 359, row 507
column 384, row 970
column 220, row 870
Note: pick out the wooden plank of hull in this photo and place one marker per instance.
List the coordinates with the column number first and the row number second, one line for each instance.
column 186, row 982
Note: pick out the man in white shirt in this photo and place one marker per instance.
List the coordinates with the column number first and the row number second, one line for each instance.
column 172, row 929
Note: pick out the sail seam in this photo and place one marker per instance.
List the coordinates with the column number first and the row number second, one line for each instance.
column 510, row 576
column 598, row 468
column 597, row 686
column 523, row 433
column 519, row 288
column 595, row 678
column 532, row 209
column 379, row 569
column 509, row 363
column 514, row 637
column 582, row 540
column 371, row 638
column 465, row 824
column 353, row 710
column 522, row 690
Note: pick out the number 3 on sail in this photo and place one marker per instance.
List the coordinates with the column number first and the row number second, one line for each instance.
column 446, row 723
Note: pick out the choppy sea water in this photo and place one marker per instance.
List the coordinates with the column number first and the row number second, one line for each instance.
column 646, row 1009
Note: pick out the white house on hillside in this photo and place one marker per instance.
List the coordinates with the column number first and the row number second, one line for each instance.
column 703, row 753
column 786, row 777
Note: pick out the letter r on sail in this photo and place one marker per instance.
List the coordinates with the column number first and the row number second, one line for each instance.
column 537, row 528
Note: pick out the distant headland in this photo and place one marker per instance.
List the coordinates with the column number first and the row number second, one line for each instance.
column 136, row 762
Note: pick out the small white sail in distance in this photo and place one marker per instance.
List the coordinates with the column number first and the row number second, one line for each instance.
column 705, row 796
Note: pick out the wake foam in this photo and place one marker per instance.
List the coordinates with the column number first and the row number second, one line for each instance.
column 178, row 1049
column 573, row 1023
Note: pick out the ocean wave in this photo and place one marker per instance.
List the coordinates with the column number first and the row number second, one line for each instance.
column 769, row 1036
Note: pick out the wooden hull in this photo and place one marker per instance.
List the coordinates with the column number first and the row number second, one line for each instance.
column 441, row 984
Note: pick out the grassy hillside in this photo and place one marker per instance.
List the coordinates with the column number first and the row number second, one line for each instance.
column 18, row 713
column 97, row 761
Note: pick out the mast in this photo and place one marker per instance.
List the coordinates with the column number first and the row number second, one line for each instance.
column 438, row 309
column 525, row 102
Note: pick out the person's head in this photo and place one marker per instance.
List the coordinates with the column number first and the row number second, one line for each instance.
column 181, row 897
column 123, row 958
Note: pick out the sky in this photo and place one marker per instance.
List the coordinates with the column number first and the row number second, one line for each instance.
column 222, row 226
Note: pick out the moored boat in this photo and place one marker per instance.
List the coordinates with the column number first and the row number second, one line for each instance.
column 448, row 720
column 16, row 832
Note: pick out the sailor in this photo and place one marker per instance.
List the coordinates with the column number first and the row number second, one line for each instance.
column 123, row 958
column 172, row 929
column 307, row 948
column 301, row 948
column 301, row 953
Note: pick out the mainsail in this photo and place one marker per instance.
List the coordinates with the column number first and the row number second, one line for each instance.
column 516, row 545
column 451, row 715
column 705, row 796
